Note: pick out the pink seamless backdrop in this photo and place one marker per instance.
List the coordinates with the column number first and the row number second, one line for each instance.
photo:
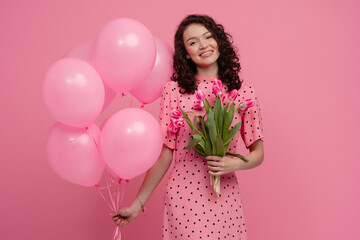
column 303, row 59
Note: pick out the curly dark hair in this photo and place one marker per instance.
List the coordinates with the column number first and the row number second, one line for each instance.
column 228, row 61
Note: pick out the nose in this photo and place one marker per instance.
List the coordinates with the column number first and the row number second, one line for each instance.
column 202, row 44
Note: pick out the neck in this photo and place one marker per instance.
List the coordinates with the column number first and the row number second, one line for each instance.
column 208, row 71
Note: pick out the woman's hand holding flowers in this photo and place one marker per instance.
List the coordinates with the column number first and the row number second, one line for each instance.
column 222, row 165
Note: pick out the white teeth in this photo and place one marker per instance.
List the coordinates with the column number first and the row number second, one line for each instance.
column 206, row 53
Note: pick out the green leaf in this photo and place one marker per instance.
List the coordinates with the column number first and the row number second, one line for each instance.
column 187, row 119
column 237, row 155
column 231, row 113
column 208, row 148
column 225, row 131
column 219, row 146
column 221, row 122
column 193, row 141
column 207, row 105
column 211, row 126
column 226, row 108
column 200, row 151
column 195, row 122
column 202, row 143
column 228, row 118
column 203, row 127
column 232, row 133
column 217, row 112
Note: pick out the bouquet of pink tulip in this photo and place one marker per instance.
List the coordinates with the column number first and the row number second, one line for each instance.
column 212, row 132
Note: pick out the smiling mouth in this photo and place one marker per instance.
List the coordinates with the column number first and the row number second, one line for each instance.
column 206, row 53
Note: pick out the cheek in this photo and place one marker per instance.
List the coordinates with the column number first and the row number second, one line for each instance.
column 190, row 51
column 214, row 44
column 216, row 47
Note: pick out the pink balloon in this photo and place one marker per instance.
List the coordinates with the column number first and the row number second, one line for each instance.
column 124, row 54
column 131, row 142
column 83, row 52
column 73, row 154
column 150, row 89
column 73, row 92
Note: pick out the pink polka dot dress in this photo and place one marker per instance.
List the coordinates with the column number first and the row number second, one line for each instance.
column 192, row 209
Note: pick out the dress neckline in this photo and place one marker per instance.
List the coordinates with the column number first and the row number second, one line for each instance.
column 206, row 78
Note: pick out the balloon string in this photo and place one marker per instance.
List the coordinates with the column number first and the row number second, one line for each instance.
column 102, row 195
column 118, row 193
column 115, row 197
column 117, row 233
column 110, row 194
column 96, row 145
column 124, row 190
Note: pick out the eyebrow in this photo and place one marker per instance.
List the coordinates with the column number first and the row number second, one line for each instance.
column 196, row 37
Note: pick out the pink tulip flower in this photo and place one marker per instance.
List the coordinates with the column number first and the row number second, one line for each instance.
column 223, row 97
column 233, row 95
column 216, row 90
column 199, row 105
column 218, row 83
column 180, row 122
column 199, row 95
column 173, row 127
column 245, row 105
column 175, row 113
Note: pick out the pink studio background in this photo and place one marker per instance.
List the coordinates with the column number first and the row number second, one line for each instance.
column 301, row 56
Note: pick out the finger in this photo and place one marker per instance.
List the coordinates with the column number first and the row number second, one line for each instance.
column 115, row 216
column 123, row 223
column 215, row 164
column 119, row 222
column 215, row 168
column 213, row 158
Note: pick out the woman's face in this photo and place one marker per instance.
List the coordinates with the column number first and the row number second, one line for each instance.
column 200, row 45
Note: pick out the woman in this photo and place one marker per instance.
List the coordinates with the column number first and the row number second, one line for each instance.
column 203, row 53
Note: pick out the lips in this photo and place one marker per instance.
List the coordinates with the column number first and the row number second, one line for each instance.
column 206, row 53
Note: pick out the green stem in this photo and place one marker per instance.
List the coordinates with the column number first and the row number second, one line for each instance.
column 192, row 112
column 195, row 126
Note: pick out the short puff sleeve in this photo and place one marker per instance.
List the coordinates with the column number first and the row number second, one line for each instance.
column 251, row 127
column 167, row 102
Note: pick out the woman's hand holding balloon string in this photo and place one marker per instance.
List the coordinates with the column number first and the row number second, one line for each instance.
column 153, row 176
column 123, row 216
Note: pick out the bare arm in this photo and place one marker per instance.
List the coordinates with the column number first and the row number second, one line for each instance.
column 153, row 177
column 256, row 156
column 155, row 174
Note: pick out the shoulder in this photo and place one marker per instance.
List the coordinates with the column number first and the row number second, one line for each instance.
column 247, row 90
column 246, row 87
column 170, row 86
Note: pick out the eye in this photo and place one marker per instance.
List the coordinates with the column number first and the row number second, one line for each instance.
column 192, row 43
column 208, row 37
